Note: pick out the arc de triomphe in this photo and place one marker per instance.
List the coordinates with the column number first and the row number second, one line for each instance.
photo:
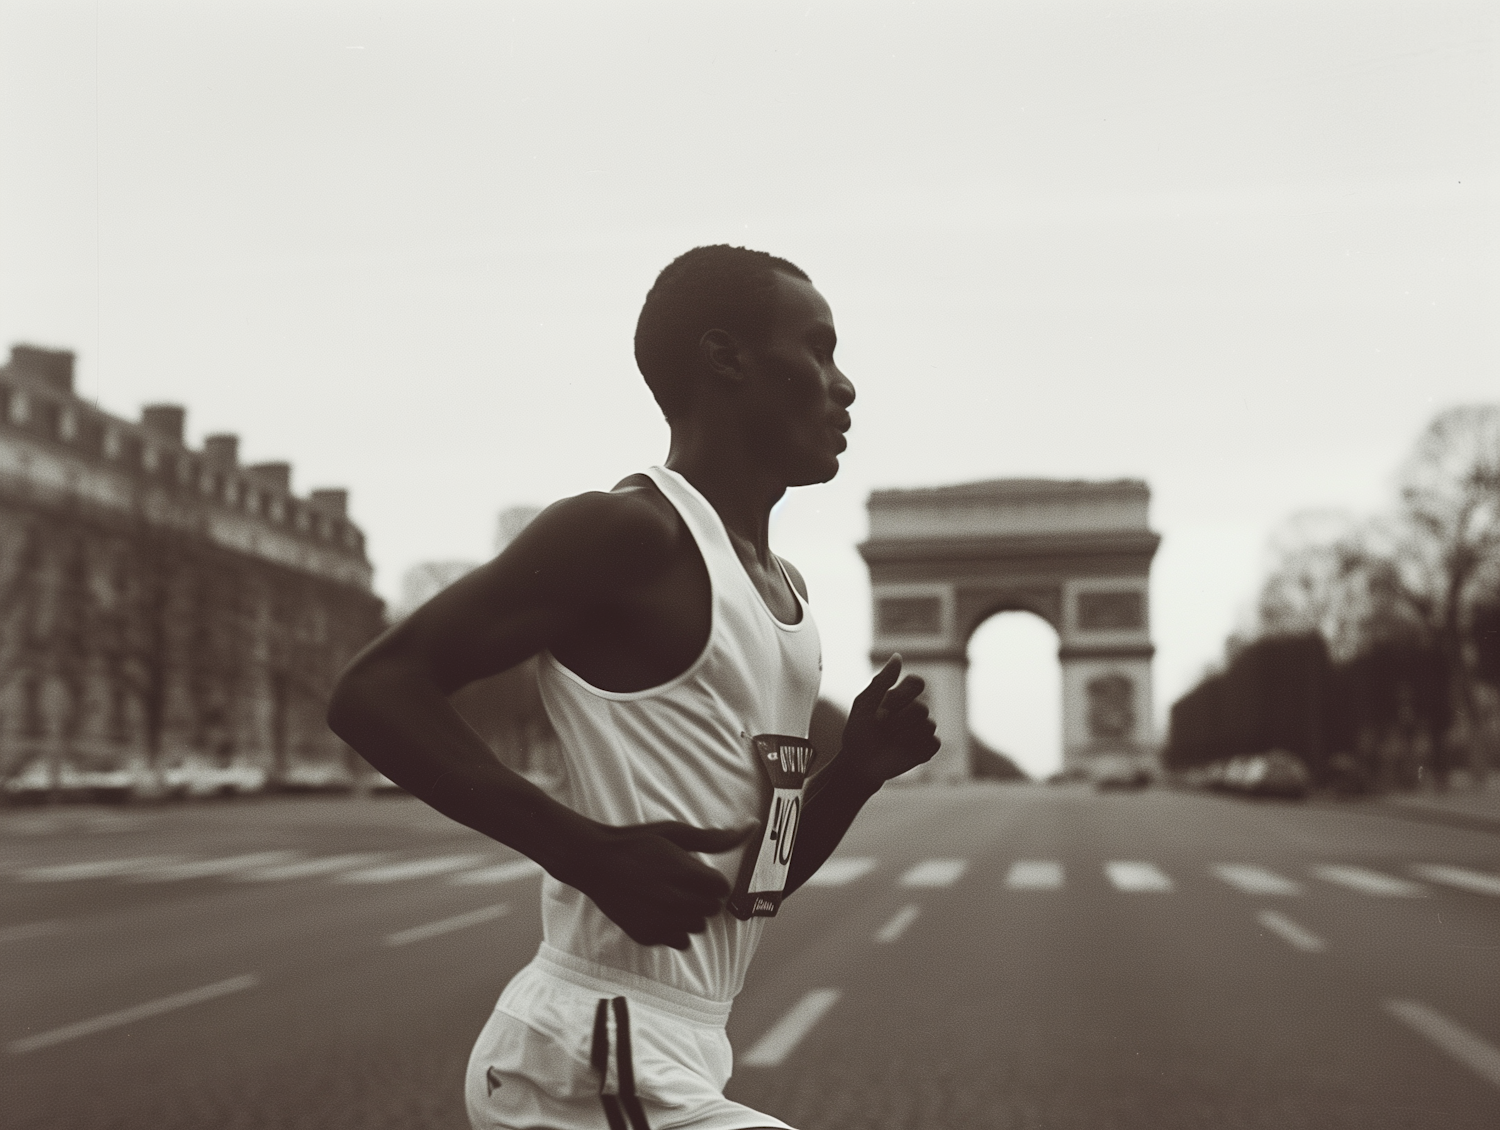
column 1077, row 554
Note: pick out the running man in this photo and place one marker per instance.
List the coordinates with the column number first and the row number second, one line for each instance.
column 679, row 664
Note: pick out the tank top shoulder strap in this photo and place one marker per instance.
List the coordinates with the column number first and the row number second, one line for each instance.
column 702, row 521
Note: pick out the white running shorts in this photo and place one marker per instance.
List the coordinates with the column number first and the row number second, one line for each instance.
column 568, row 1050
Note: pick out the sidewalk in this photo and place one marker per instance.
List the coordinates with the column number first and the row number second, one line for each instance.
column 1462, row 807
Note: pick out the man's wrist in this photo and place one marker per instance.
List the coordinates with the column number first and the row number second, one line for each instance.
column 844, row 774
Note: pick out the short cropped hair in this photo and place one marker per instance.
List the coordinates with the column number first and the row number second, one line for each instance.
column 708, row 288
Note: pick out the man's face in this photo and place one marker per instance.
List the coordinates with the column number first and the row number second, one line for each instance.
column 796, row 399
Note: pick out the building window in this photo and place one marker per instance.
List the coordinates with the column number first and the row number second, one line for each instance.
column 132, row 452
column 6, row 395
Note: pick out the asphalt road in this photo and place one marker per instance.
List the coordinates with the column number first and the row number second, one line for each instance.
column 982, row 957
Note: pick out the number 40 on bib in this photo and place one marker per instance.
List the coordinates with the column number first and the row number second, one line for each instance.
column 785, row 762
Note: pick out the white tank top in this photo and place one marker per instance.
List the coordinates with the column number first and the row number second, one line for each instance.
column 682, row 751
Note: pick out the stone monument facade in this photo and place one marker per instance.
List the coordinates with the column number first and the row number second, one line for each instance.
column 1078, row 554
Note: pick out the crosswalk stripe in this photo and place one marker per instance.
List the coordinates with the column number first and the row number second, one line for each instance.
column 935, row 873
column 410, row 869
column 499, row 873
column 1480, row 882
column 1469, row 1049
column 208, row 868
column 1291, row 933
column 1368, row 882
column 841, row 869
column 95, row 869
column 446, row 925
column 136, row 1012
column 783, row 1037
column 1253, row 880
column 898, row 923
column 309, row 868
column 1133, row 875
column 1034, row 875
column 24, row 931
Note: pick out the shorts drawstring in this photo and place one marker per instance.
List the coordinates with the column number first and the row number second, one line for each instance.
column 623, row 1104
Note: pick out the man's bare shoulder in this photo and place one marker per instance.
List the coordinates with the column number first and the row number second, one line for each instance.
column 631, row 532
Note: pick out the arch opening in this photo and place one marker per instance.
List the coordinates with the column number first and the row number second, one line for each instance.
column 1015, row 691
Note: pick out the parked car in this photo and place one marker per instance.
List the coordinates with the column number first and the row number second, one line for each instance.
column 1273, row 774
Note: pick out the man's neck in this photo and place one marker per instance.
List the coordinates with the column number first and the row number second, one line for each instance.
column 741, row 488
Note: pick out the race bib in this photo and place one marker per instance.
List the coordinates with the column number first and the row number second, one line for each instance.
column 785, row 762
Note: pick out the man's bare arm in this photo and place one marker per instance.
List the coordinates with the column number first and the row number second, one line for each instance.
column 391, row 705
column 888, row 733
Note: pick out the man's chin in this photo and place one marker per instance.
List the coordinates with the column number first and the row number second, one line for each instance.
column 812, row 474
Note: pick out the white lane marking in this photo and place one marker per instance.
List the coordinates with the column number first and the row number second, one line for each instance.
column 898, row 923
column 500, row 873
column 1035, row 875
column 935, row 873
column 1132, row 875
column 411, row 869
column 841, row 869
column 1289, row 932
column 1474, row 1052
column 24, row 930
column 1368, row 882
column 1255, row 880
column 134, row 1013
column 96, row 869
column 784, row 1036
column 208, row 868
column 1480, row 882
column 309, row 868
column 447, row 925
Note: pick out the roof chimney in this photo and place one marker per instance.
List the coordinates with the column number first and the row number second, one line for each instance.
column 55, row 366
column 278, row 475
column 222, row 451
column 166, row 420
column 332, row 502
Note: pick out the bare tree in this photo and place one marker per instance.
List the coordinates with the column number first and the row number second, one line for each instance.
column 1446, row 559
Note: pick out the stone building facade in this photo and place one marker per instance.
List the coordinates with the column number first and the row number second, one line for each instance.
column 161, row 605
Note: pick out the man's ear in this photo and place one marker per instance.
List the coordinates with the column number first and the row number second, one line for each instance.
column 722, row 354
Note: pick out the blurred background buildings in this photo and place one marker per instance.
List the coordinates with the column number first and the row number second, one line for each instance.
column 163, row 611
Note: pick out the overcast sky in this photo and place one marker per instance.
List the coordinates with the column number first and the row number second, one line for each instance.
column 1240, row 250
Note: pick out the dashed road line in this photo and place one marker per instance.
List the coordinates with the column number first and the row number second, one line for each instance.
column 1253, row 880
column 136, row 1012
column 1034, row 875
column 783, row 1037
column 841, row 869
column 1473, row 1051
column 23, row 931
column 411, row 869
column 1298, row 937
column 1368, row 882
column 935, row 873
column 94, row 869
column 898, row 923
column 1133, row 875
column 447, row 925
column 1479, row 882
column 309, row 868
column 210, row 868
column 499, row 873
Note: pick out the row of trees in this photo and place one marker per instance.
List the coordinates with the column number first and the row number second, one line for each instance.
column 1376, row 651
column 127, row 639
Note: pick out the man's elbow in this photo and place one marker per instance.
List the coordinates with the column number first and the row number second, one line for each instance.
column 343, row 705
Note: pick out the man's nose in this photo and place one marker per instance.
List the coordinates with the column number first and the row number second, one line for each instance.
column 842, row 391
